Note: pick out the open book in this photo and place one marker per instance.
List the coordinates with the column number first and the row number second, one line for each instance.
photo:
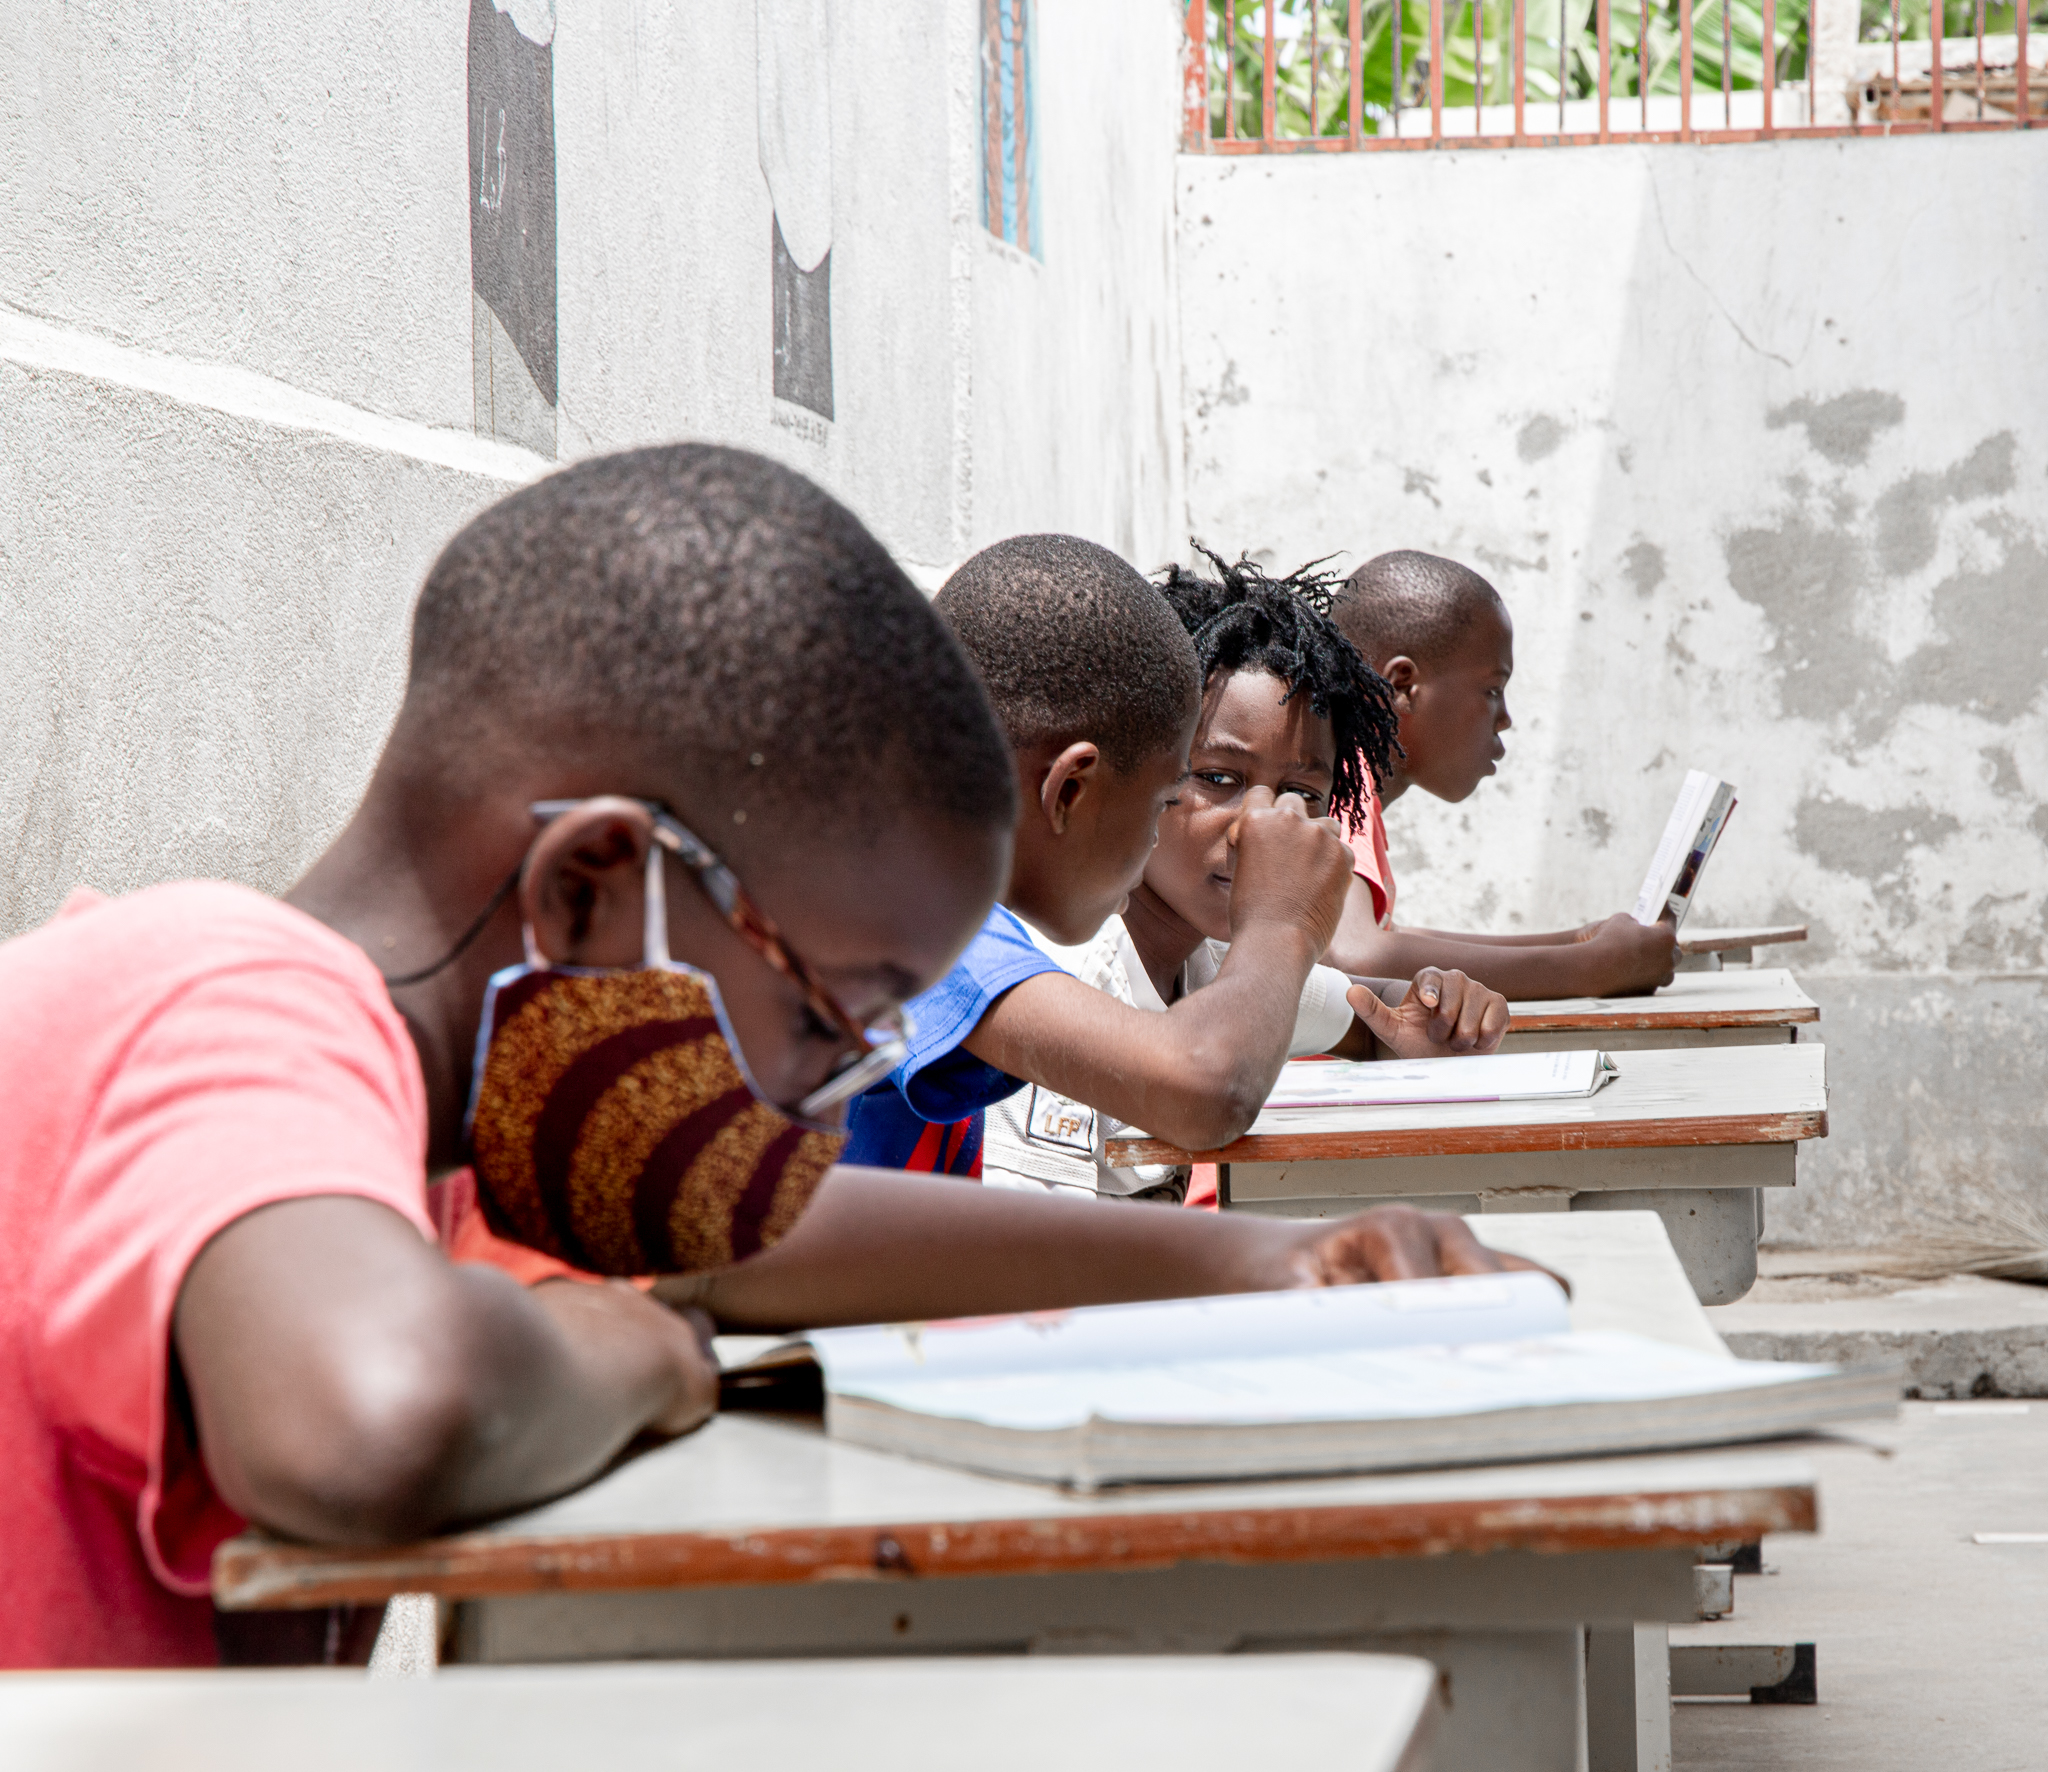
column 1406, row 1082
column 1694, row 827
column 1473, row 1370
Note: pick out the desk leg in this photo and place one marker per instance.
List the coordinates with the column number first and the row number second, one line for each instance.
column 1628, row 1699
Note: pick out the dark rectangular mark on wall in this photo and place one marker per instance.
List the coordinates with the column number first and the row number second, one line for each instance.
column 793, row 75
column 512, row 221
column 803, row 330
column 1009, row 133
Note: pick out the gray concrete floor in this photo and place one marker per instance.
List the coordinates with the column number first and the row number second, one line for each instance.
column 1932, row 1650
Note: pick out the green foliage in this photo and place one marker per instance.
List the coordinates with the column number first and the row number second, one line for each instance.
column 1314, row 35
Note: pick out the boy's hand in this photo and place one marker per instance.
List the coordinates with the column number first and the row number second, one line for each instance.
column 1287, row 868
column 1635, row 958
column 1396, row 1243
column 617, row 1323
column 1444, row 1014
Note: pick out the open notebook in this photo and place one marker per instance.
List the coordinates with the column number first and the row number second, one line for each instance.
column 1690, row 833
column 1473, row 1370
column 1404, row 1082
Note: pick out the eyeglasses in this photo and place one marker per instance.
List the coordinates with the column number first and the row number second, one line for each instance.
column 876, row 1051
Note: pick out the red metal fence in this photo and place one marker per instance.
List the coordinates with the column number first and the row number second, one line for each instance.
column 1293, row 76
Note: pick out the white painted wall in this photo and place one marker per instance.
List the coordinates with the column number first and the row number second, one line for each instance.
column 236, row 397
column 1746, row 435
column 1751, row 439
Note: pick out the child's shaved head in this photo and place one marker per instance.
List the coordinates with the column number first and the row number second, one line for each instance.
column 1074, row 644
column 1413, row 604
column 708, row 623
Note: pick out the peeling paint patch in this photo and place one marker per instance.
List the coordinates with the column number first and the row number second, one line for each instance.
column 1539, row 437
column 1868, row 843
column 2038, row 823
column 2005, row 773
column 1415, row 480
column 1644, row 564
column 1597, row 824
column 1906, row 515
column 1993, row 658
column 1805, row 578
column 1841, row 429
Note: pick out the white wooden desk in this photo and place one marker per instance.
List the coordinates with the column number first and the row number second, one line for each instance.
column 1690, row 1134
column 759, row 1537
column 1201, row 1714
column 1757, row 1006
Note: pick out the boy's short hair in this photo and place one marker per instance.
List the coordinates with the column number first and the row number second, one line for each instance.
column 1412, row 603
column 1244, row 620
column 710, row 618
column 1073, row 644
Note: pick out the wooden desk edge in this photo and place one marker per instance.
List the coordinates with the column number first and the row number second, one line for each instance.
column 1720, row 940
column 1592, row 1021
column 255, row 1572
column 1467, row 1141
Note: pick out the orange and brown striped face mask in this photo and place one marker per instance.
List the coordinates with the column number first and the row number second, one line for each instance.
column 614, row 1126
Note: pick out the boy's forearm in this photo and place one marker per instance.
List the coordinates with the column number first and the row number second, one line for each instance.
column 1196, row 1075
column 878, row 1246
column 1563, row 969
column 301, row 1330
column 1548, row 939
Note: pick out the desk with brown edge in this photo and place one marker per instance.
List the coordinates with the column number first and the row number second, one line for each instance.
column 759, row 1537
column 1758, row 1007
column 1691, row 1134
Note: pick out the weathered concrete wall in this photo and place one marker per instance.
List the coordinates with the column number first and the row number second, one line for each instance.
column 1076, row 357
column 1751, row 440
column 246, row 371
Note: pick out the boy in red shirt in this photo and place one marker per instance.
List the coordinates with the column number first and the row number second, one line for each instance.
column 1441, row 637
column 220, row 1298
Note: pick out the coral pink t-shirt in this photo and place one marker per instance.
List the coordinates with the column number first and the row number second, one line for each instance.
column 170, row 1062
column 1369, row 860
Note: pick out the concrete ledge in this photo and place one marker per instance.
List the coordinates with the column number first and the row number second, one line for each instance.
column 1959, row 1337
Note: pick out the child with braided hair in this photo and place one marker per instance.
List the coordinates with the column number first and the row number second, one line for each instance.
column 1290, row 717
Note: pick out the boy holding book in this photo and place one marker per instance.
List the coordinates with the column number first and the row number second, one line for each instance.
column 223, row 1297
column 1096, row 682
column 1441, row 637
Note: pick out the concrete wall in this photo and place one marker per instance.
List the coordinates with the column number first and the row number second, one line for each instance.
column 1751, row 438
column 244, row 363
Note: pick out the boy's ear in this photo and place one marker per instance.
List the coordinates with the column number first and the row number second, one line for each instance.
column 1067, row 779
column 1402, row 674
column 582, row 889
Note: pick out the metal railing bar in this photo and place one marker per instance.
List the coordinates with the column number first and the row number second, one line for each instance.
column 1399, row 28
column 1937, row 99
column 1604, row 29
column 1315, row 14
column 1768, row 73
column 1520, row 30
column 1268, row 123
column 2025, row 106
column 1563, row 51
column 1436, row 70
column 1357, row 72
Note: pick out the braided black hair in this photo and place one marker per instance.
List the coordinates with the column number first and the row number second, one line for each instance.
column 1244, row 620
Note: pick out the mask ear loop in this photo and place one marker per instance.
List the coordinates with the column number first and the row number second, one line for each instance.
column 654, row 935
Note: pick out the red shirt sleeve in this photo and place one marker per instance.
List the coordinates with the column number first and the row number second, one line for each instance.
column 1368, row 839
column 261, row 1082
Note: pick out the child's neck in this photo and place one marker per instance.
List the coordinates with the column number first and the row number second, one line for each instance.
column 1163, row 938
